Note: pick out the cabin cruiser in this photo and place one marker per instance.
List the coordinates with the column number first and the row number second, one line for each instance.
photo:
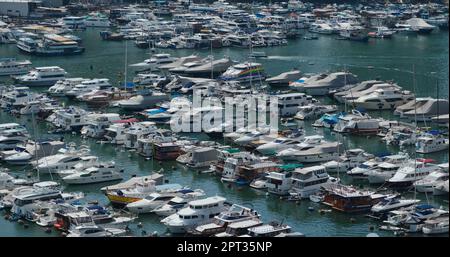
column 205, row 70
column 431, row 142
column 236, row 213
column 154, row 62
column 423, row 109
column 349, row 160
column 61, row 87
column 411, row 172
column 115, row 133
column 392, row 202
column 96, row 128
column 311, row 149
column 437, row 225
column 87, row 86
column 278, row 145
column 188, row 65
column 143, row 101
column 149, row 79
column 268, row 230
column 284, row 78
column 441, row 188
column 321, row 28
column 244, row 72
column 239, row 228
column 354, row 33
column 198, row 211
column 42, row 76
column 72, row 118
column 276, row 182
column 322, row 84
column 9, row 139
column 65, row 159
column 31, row 150
column 11, row 66
column 412, row 219
column 95, row 231
column 382, row 99
column 357, row 123
column 341, row 94
column 428, row 183
column 179, row 62
column 199, row 157
column 17, row 98
column 288, row 104
column 150, row 202
column 96, row 21
column 137, row 131
column 95, row 174
column 309, row 180
column 178, row 202
column 381, row 32
column 313, row 111
column 419, row 25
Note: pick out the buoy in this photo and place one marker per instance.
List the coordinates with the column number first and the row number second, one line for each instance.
column 139, row 225
column 281, row 198
column 310, row 208
column 267, row 193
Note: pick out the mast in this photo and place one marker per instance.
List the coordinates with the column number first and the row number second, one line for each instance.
column 415, row 126
column 125, row 66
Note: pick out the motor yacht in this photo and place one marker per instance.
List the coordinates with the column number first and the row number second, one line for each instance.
column 11, row 66
column 42, row 76
column 428, row 183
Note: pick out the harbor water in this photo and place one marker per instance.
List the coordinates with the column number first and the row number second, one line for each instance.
column 394, row 59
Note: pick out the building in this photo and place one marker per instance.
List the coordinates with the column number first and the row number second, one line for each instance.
column 18, row 8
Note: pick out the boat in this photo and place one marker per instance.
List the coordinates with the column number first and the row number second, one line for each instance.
column 412, row 171
column 199, row 157
column 64, row 85
column 178, row 202
column 428, row 183
column 284, row 78
column 95, row 174
column 239, row 228
column 154, row 62
column 150, row 79
column 423, row 109
column 65, row 159
column 354, row 33
column 268, row 230
column 313, row 111
column 322, row 84
column 308, row 181
column 87, row 86
column 150, row 202
column 244, row 72
column 97, row 21
column 11, row 66
column 320, row 151
column 31, row 150
column 137, row 131
column 278, row 183
column 349, row 199
column 392, row 202
column 95, row 231
column 98, row 125
column 437, row 225
column 357, row 123
column 441, row 188
column 431, row 142
column 73, row 22
column 278, row 145
column 254, row 54
column 143, row 101
column 198, row 211
column 42, row 76
column 9, row 139
column 236, row 213
column 349, row 160
column 212, row 68
column 382, row 99
column 289, row 103
column 386, row 169
column 420, row 25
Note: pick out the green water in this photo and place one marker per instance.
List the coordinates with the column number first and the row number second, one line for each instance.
column 392, row 59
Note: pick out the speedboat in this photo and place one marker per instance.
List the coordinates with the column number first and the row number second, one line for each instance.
column 277, row 145
column 96, row 174
column 313, row 111
column 244, row 72
column 392, row 203
column 427, row 184
column 150, row 202
column 42, row 76
column 412, row 171
column 178, row 202
column 154, row 62
column 95, row 231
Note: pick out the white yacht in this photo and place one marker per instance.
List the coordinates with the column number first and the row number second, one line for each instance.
column 349, row 160
column 278, row 183
column 309, row 180
column 95, row 174
column 66, row 159
column 87, row 86
column 64, row 85
column 357, row 123
column 321, row 28
column 154, row 62
column 97, row 21
column 95, row 231
column 288, row 104
column 441, row 188
column 427, row 184
column 198, row 211
column 429, row 143
column 148, row 79
column 98, row 125
column 313, row 111
column 31, row 150
column 137, row 131
column 178, row 202
column 11, row 66
column 392, row 202
column 143, row 101
column 17, row 97
column 115, row 133
column 437, row 225
column 72, row 118
column 382, row 99
column 319, row 152
column 73, row 22
column 42, row 76
column 412, row 171
column 9, row 139
column 150, row 202
column 322, row 84
column 278, row 145
column 244, row 72
column 385, row 168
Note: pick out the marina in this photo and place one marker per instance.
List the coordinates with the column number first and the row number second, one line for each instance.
column 89, row 103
